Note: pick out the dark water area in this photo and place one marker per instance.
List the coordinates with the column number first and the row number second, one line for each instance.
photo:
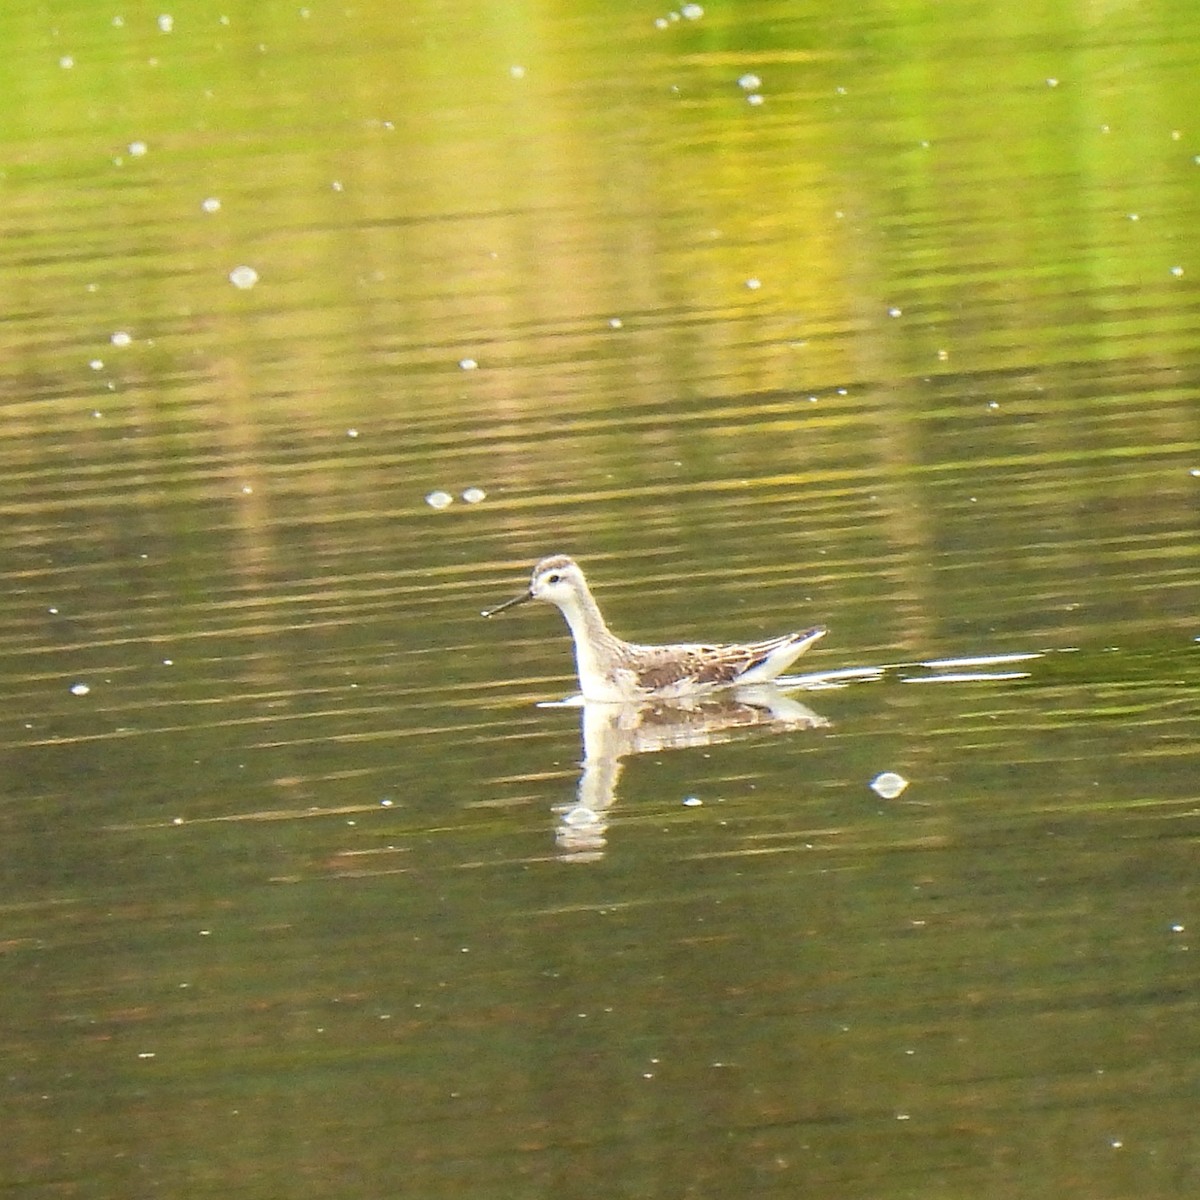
column 323, row 324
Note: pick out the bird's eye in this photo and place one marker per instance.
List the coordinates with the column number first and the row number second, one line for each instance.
column 555, row 578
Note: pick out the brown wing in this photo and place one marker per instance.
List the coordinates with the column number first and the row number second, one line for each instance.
column 704, row 665
column 711, row 666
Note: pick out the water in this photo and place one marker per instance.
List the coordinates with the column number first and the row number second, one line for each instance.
column 304, row 892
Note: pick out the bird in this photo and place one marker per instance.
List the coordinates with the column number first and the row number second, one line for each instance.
column 611, row 670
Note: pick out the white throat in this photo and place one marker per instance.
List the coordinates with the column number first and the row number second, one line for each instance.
column 593, row 645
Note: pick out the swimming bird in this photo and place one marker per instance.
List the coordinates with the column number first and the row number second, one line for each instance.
column 613, row 670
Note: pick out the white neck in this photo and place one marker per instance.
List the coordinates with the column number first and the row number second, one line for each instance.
column 595, row 645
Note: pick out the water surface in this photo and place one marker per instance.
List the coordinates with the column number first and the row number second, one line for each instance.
column 299, row 899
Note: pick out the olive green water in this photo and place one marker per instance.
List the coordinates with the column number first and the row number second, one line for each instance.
column 303, row 894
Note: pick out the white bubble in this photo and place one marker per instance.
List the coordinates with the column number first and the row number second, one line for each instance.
column 1177, row 271
column 749, row 82
column 580, row 817
column 692, row 801
column 121, row 338
column 243, row 277
column 888, row 784
column 166, row 22
column 79, row 689
column 352, row 433
column 473, row 495
column 895, row 312
column 210, row 204
column 615, row 323
column 516, row 72
column 755, row 98
column 691, row 12
column 97, row 364
column 467, row 364
column 754, row 284
column 137, row 149
column 67, row 62
column 439, row 500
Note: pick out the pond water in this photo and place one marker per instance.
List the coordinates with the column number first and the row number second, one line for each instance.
column 883, row 318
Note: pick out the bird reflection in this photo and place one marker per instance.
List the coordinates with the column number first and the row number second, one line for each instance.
column 613, row 732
